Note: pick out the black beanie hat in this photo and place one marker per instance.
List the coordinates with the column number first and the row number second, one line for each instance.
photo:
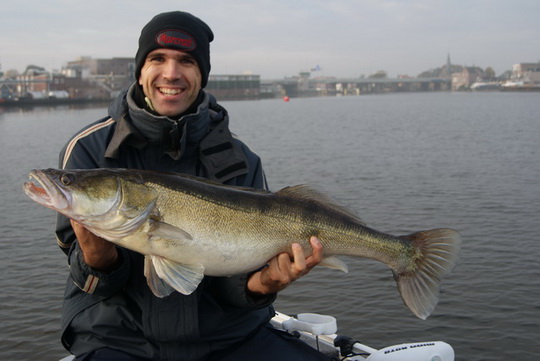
column 176, row 30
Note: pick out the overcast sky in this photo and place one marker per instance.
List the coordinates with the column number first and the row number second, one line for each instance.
column 278, row 38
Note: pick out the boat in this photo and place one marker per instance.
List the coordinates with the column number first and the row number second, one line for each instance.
column 486, row 86
column 319, row 332
column 521, row 86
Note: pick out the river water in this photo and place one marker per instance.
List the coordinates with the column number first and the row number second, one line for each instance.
column 402, row 162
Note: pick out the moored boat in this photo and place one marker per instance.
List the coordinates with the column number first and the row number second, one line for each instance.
column 520, row 86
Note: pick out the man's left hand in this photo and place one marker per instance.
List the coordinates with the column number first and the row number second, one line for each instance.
column 282, row 270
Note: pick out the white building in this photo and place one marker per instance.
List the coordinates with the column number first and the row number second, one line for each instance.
column 526, row 73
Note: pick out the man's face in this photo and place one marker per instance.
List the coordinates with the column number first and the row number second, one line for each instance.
column 171, row 79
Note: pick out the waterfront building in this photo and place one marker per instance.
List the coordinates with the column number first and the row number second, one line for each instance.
column 526, row 72
column 466, row 77
column 234, row 87
column 98, row 78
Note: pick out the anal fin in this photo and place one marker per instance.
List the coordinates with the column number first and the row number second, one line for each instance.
column 334, row 263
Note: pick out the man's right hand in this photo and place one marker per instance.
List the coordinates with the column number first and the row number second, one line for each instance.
column 98, row 253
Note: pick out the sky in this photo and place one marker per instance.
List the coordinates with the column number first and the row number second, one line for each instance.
column 280, row 38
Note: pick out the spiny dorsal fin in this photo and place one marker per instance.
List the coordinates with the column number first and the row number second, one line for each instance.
column 310, row 193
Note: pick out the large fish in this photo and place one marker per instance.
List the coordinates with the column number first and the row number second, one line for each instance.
column 189, row 227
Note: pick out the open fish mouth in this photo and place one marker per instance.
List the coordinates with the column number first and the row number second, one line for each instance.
column 43, row 190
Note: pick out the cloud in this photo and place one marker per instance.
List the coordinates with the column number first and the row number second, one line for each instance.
column 275, row 38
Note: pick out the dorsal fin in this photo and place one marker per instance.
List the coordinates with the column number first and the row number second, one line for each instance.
column 310, row 193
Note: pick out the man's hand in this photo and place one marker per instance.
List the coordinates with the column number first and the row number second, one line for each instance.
column 282, row 270
column 98, row 253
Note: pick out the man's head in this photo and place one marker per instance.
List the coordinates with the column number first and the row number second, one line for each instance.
column 179, row 31
column 173, row 61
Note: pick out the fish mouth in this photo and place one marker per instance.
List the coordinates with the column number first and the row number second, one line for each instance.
column 43, row 190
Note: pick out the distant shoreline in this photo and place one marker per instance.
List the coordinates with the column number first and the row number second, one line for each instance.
column 45, row 102
column 25, row 102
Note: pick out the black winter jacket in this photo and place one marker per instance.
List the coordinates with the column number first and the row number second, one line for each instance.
column 117, row 309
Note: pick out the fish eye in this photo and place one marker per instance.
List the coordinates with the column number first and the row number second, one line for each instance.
column 66, row 179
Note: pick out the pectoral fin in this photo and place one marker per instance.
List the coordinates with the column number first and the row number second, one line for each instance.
column 162, row 230
column 334, row 263
column 182, row 277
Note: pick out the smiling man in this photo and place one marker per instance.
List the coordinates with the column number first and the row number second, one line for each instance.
column 171, row 81
column 173, row 62
column 165, row 121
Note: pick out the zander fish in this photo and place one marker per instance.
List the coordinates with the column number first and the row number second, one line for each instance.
column 188, row 227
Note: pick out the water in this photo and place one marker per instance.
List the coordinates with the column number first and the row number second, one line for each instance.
column 403, row 162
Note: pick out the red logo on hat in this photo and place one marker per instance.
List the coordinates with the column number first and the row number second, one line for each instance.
column 176, row 39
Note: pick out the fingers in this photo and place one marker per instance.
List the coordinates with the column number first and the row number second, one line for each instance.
column 300, row 265
column 77, row 227
column 280, row 271
column 98, row 253
column 84, row 235
column 317, row 254
column 284, row 269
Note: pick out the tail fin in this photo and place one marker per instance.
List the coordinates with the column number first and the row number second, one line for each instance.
column 419, row 286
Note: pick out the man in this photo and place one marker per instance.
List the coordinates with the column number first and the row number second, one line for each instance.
column 165, row 121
